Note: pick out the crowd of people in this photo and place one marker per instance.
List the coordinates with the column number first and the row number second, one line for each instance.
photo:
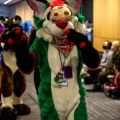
column 106, row 77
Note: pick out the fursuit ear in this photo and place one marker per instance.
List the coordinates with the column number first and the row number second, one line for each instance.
column 75, row 5
column 38, row 6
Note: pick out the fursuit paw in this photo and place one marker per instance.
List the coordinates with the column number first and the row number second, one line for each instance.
column 7, row 113
column 79, row 39
column 13, row 38
column 22, row 109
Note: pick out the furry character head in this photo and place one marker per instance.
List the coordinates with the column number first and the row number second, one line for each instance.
column 59, row 16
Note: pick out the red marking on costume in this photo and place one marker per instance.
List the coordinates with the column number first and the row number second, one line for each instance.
column 65, row 40
column 17, row 31
column 72, row 43
column 33, row 54
column 10, row 41
column 65, row 50
column 55, row 3
column 62, row 44
column 23, row 37
column 66, row 32
column 62, row 24
column 82, row 45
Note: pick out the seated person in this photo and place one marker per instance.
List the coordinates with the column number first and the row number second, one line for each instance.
column 105, row 60
column 113, row 90
column 102, row 77
column 107, row 55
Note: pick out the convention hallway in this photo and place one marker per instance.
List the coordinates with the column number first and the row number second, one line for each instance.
column 99, row 106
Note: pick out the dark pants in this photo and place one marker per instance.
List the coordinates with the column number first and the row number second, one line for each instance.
column 37, row 79
column 116, row 93
column 94, row 73
column 102, row 77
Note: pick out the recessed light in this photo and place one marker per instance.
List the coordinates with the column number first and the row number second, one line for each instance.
column 6, row 2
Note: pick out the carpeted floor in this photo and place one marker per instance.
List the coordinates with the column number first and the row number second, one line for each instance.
column 99, row 106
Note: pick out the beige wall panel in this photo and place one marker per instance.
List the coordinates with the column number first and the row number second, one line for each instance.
column 119, row 19
column 106, row 21
column 99, row 43
column 22, row 9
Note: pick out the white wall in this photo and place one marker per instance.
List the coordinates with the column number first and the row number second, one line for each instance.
column 4, row 11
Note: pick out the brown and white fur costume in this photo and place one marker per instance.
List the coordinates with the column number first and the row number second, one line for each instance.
column 12, row 82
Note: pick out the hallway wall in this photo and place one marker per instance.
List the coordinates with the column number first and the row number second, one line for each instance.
column 106, row 17
column 22, row 9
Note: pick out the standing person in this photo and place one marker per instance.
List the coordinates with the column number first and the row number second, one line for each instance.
column 17, row 20
column 13, row 22
column 88, row 27
column 113, row 90
column 2, row 19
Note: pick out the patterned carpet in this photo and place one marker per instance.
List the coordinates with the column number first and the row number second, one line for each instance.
column 99, row 106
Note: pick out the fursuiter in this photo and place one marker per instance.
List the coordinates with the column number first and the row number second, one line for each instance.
column 12, row 80
column 59, row 51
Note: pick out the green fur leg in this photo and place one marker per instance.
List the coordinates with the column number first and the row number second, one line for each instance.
column 46, row 104
column 81, row 112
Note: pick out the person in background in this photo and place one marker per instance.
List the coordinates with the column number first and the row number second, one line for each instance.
column 105, row 61
column 102, row 77
column 107, row 55
column 113, row 90
column 17, row 20
column 13, row 22
column 2, row 19
column 88, row 27
column 90, row 36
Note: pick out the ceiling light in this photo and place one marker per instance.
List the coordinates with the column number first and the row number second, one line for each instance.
column 6, row 2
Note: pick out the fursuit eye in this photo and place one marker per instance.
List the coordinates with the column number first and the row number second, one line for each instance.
column 56, row 14
column 66, row 13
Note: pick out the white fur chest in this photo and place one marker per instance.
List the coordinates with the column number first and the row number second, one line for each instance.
column 66, row 96
column 54, row 59
column 10, row 60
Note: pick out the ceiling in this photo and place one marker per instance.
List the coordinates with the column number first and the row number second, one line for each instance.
column 11, row 3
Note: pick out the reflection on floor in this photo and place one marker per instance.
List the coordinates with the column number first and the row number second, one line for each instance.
column 99, row 106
